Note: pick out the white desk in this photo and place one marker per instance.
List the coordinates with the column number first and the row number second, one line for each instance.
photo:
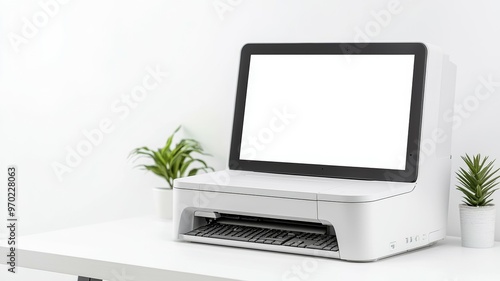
column 141, row 249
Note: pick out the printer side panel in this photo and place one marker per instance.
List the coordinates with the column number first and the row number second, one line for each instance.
column 433, row 183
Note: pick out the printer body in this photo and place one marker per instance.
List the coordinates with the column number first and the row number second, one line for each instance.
column 371, row 219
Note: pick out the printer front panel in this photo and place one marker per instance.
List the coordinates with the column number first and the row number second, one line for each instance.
column 187, row 202
column 261, row 206
column 292, row 221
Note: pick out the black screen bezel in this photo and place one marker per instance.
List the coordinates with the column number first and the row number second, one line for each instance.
column 412, row 155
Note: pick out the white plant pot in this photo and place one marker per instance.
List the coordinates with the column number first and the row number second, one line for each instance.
column 163, row 202
column 478, row 226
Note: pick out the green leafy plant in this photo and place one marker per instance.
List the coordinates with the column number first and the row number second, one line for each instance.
column 477, row 182
column 172, row 162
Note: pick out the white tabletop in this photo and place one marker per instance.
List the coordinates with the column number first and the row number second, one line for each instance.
column 141, row 249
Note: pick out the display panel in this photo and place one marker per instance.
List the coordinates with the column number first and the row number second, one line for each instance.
column 313, row 109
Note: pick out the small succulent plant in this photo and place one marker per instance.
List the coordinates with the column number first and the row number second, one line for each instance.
column 477, row 180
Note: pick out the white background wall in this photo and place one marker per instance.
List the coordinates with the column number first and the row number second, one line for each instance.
column 89, row 55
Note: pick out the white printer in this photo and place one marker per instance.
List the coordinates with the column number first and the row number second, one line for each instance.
column 339, row 150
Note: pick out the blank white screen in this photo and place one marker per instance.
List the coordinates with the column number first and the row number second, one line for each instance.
column 328, row 110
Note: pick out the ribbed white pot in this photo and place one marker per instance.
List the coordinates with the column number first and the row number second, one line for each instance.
column 163, row 202
column 478, row 226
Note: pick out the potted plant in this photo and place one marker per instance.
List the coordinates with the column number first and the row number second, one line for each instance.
column 477, row 213
column 171, row 162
